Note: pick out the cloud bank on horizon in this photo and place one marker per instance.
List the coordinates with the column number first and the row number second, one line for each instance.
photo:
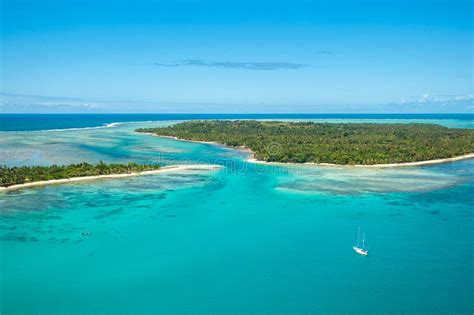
column 340, row 56
column 23, row 104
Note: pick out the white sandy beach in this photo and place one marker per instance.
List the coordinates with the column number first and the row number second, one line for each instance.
column 180, row 139
column 419, row 163
column 166, row 169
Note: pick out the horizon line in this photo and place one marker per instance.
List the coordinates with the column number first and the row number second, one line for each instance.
column 269, row 113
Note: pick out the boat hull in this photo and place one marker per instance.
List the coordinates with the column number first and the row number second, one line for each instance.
column 361, row 251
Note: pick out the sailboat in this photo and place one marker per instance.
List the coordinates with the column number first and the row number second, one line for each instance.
column 358, row 249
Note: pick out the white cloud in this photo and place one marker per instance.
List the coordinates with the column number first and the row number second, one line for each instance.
column 15, row 103
column 440, row 100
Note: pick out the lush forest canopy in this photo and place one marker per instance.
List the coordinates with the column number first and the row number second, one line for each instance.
column 338, row 143
column 24, row 174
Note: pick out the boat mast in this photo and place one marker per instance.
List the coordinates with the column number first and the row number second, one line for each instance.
column 358, row 236
column 363, row 240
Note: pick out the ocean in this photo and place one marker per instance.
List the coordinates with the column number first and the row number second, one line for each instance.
column 246, row 239
column 28, row 122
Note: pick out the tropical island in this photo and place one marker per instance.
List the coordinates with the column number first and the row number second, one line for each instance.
column 29, row 176
column 330, row 143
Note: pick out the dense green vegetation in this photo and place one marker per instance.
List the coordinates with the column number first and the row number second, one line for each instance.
column 24, row 174
column 341, row 143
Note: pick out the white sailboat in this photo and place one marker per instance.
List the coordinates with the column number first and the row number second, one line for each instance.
column 358, row 249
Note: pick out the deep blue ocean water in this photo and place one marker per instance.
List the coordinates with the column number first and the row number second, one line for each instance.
column 246, row 239
column 25, row 122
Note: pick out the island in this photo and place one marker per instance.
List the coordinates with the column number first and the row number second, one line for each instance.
column 12, row 178
column 362, row 144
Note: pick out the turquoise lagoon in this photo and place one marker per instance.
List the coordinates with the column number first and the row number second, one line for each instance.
column 246, row 239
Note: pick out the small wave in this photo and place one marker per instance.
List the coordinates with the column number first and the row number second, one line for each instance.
column 76, row 128
column 106, row 125
column 109, row 125
column 113, row 124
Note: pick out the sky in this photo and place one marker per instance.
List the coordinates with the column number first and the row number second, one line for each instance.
column 185, row 56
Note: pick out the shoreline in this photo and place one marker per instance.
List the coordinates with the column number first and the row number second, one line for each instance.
column 255, row 161
column 185, row 140
column 165, row 169
column 388, row 165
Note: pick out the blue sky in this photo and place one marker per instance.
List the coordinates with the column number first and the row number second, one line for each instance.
column 237, row 56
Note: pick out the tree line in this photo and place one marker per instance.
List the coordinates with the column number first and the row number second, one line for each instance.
column 337, row 143
column 24, row 174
